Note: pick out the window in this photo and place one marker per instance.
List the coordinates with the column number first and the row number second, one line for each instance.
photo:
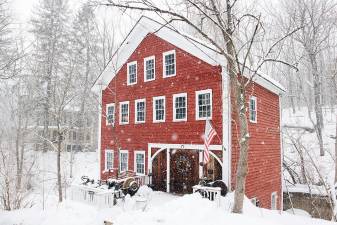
column 140, row 111
column 110, row 114
column 159, row 109
column 252, row 109
column 273, row 201
column 124, row 112
column 109, row 159
column 169, row 63
column 132, row 73
column 203, row 104
column 180, row 107
column 123, row 160
column 74, row 135
column 149, row 68
column 139, row 166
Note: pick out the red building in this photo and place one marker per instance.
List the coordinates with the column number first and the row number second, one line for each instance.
column 156, row 94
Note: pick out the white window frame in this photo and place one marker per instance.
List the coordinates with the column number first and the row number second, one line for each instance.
column 120, row 112
column 106, row 157
column 128, row 72
column 197, row 93
column 254, row 98
column 274, row 194
column 106, row 113
column 154, row 68
column 154, row 109
column 175, row 63
column 137, row 101
column 120, row 161
column 140, row 152
column 174, row 107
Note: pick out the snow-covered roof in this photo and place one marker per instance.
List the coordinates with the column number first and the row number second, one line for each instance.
column 195, row 47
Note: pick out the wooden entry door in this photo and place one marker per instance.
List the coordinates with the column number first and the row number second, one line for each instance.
column 184, row 170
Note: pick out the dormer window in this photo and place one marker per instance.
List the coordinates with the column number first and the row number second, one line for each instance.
column 149, row 68
column 169, row 63
column 132, row 73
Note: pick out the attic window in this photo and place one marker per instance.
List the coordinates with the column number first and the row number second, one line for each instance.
column 169, row 65
column 132, row 73
column 149, row 68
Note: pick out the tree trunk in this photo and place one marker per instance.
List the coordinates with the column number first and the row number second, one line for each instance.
column 239, row 106
column 336, row 154
column 59, row 182
column 317, row 102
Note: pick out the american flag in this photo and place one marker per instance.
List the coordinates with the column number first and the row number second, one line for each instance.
column 209, row 135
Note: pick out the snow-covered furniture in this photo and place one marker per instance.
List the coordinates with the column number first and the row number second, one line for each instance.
column 102, row 198
column 212, row 193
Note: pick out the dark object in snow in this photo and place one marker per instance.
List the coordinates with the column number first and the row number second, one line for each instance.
column 218, row 183
column 107, row 222
column 86, row 180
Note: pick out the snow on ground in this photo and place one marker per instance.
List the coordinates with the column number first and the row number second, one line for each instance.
column 163, row 209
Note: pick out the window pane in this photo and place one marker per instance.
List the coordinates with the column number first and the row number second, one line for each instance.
column 180, row 107
column 140, row 163
column 169, row 64
column 132, row 73
column 125, row 113
column 204, row 105
column 123, row 161
column 140, row 111
column 149, row 66
column 159, row 109
column 109, row 160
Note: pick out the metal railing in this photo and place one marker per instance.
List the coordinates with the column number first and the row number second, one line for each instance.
column 211, row 193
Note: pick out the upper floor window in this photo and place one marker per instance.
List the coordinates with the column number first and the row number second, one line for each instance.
column 203, row 104
column 180, row 107
column 169, row 63
column 123, row 160
column 139, row 166
column 109, row 159
column 140, row 111
column 252, row 109
column 149, row 68
column 124, row 112
column 110, row 114
column 159, row 109
column 132, row 73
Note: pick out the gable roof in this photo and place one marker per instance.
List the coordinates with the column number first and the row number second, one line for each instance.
column 195, row 47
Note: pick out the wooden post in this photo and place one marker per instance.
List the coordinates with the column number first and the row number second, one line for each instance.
column 200, row 167
column 167, row 170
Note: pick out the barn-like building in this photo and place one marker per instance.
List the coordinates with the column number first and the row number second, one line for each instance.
column 156, row 94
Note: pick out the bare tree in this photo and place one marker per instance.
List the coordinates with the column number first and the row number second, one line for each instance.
column 317, row 19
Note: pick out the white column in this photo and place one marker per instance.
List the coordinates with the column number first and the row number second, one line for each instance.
column 149, row 161
column 200, row 167
column 226, row 129
column 167, row 170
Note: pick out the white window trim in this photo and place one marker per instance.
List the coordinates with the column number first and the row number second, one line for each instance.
column 154, row 109
column 128, row 72
column 135, row 161
column 255, row 100
column 120, row 112
column 197, row 93
column 174, row 106
column 136, row 101
column 175, row 63
column 106, row 113
column 120, row 161
column 154, row 67
column 113, row 157
column 271, row 200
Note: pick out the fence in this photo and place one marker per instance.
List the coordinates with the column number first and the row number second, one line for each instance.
column 212, row 193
